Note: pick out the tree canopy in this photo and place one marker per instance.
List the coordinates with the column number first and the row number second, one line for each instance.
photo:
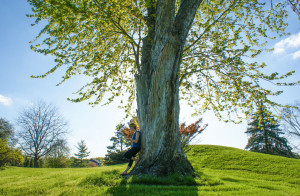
column 105, row 40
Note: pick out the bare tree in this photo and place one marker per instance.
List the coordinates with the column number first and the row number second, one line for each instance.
column 42, row 129
column 291, row 123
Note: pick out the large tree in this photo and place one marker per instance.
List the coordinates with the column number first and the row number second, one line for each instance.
column 154, row 51
column 42, row 129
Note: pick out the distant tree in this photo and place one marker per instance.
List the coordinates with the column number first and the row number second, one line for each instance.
column 82, row 153
column 42, row 129
column 120, row 144
column 9, row 155
column 59, row 155
column 119, row 140
column 61, row 149
column 265, row 135
column 291, row 123
column 7, row 131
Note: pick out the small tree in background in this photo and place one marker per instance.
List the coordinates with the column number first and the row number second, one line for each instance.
column 119, row 140
column 59, row 156
column 116, row 151
column 265, row 135
column 190, row 132
column 82, row 153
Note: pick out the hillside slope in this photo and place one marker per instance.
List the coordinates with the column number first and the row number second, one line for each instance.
column 228, row 158
column 221, row 171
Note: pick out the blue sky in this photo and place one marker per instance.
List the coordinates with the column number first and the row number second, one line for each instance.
column 97, row 125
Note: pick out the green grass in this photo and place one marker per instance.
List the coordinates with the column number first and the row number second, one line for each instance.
column 221, row 170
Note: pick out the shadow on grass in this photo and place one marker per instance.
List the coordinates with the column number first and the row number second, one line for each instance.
column 148, row 185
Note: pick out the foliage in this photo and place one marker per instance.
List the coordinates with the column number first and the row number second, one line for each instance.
column 119, row 140
column 265, row 135
column 222, row 170
column 7, row 131
column 120, row 144
column 295, row 6
column 82, row 153
column 190, row 132
column 61, row 149
column 28, row 162
column 108, row 42
column 115, row 158
column 42, row 130
column 57, row 162
column 291, row 122
column 8, row 155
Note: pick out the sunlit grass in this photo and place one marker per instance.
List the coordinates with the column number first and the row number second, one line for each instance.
column 221, row 171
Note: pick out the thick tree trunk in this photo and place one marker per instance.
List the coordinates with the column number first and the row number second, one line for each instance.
column 157, row 87
column 158, row 114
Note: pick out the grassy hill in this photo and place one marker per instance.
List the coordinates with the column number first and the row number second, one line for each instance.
column 221, row 171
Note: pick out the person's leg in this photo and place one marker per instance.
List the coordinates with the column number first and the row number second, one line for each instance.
column 133, row 158
column 128, row 155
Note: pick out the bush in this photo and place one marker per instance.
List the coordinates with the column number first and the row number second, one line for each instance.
column 9, row 156
column 115, row 158
column 57, row 162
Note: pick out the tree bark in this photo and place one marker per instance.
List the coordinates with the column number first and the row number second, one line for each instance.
column 157, row 88
column 35, row 162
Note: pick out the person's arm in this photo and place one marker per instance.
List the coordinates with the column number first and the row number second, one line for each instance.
column 137, row 134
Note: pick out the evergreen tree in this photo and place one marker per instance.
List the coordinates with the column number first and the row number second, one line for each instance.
column 82, row 153
column 265, row 135
column 116, row 150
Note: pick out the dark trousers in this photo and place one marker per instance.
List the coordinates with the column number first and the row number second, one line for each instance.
column 131, row 153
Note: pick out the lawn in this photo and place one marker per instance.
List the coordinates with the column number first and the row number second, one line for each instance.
column 221, row 171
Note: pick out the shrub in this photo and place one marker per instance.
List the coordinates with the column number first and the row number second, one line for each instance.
column 57, row 162
column 115, row 158
column 9, row 156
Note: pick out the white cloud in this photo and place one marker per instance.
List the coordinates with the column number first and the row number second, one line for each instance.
column 296, row 55
column 5, row 100
column 291, row 42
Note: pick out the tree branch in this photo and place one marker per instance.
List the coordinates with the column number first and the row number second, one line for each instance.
column 185, row 17
column 209, row 26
